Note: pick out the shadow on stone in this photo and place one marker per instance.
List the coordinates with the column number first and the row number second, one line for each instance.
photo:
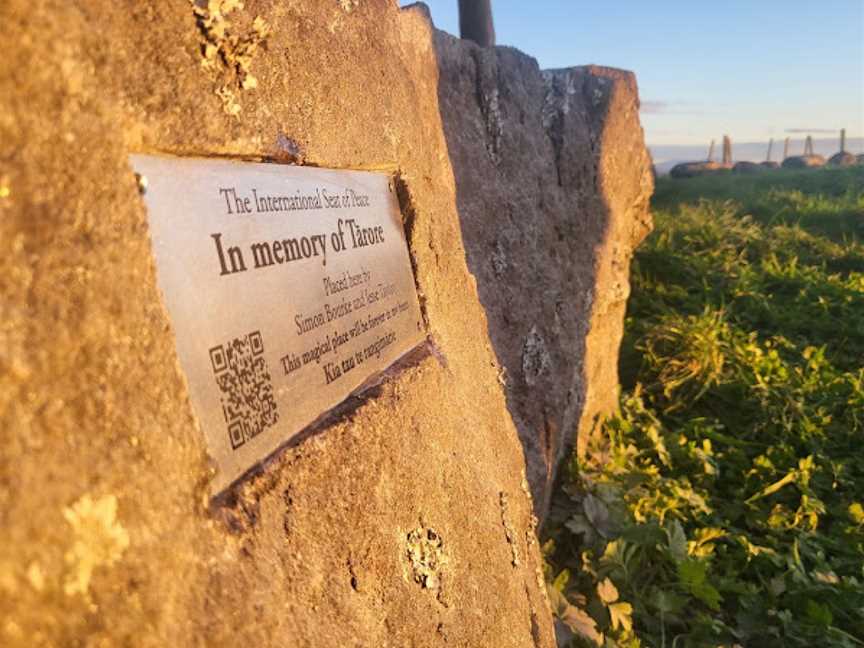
column 552, row 188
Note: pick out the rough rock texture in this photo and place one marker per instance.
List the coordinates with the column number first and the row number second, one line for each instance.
column 407, row 522
column 552, row 184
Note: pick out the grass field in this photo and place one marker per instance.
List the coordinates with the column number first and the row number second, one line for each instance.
column 726, row 505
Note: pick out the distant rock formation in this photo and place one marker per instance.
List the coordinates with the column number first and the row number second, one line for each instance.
column 694, row 169
column 843, row 158
column 804, row 162
column 808, row 160
column 749, row 168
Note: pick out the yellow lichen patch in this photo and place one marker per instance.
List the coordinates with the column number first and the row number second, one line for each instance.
column 425, row 550
column 99, row 540
column 229, row 101
column 228, row 45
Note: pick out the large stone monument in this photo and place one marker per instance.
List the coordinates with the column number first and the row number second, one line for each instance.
column 552, row 187
column 130, row 513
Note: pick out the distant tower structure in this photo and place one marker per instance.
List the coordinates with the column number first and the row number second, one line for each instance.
column 785, row 149
column 727, row 152
column 843, row 158
column 769, row 163
column 807, row 161
column 475, row 22
column 711, row 151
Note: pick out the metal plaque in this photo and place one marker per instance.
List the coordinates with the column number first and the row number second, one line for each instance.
column 288, row 288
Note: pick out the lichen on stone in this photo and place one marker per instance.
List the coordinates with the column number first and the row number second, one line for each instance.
column 99, row 540
column 230, row 104
column 229, row 46
column 560, row 90
column 491, row 108
column 509, row 530
column 535, row 356
column 499, row 259
column 425, row 550
column 533, row 521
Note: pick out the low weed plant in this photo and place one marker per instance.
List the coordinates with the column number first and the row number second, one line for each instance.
column 724, row 504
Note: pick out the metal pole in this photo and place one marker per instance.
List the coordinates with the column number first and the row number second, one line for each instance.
column 475, row 22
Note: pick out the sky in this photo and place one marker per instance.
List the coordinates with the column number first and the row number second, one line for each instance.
column 752, row 69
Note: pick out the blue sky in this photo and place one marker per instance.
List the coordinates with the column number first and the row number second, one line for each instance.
column 753, row 69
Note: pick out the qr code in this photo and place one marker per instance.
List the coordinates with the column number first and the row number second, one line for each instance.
column 246, row 390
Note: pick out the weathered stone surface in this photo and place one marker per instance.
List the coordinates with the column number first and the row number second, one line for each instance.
column 406, row 522
column 552, row 185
